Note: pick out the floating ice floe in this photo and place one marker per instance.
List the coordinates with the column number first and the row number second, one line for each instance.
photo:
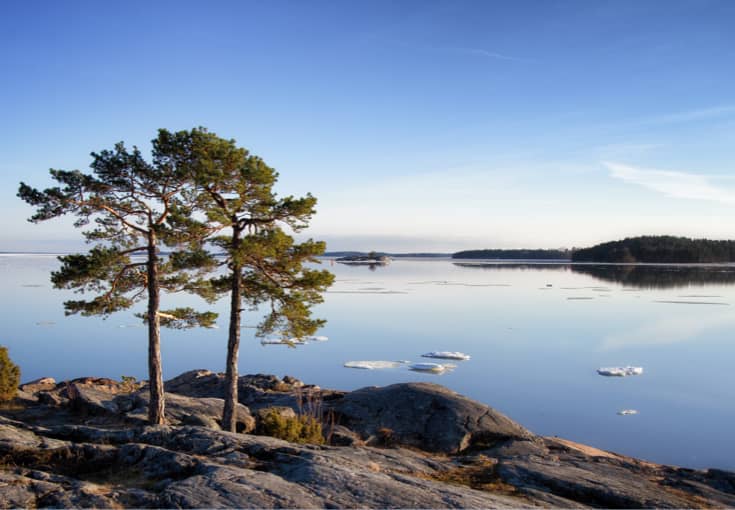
column 374, row 365
column 447, row 355
column 620, row 371
column 293, row 341
column 282, row 341
column 626, row 412
column 317, row 338
column 433, row 368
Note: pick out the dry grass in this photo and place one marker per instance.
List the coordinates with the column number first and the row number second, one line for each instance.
column 478, row 475
column 282, row 387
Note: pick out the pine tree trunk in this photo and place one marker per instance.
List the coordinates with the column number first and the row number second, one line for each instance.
column 155, row 373
column 229, row 415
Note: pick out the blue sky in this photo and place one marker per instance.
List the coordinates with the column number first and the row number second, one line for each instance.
column 418, row 125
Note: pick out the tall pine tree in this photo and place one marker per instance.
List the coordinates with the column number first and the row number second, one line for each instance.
column 130, row 205
column 265, row 266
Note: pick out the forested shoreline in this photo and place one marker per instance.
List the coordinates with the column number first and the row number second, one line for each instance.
column 659, row 249
column 518, row 254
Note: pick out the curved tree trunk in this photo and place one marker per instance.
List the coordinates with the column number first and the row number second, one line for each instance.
column 155, row 372
column 229, row 415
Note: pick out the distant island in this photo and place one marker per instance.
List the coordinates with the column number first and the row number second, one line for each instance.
column 371, row 259
column 518, row 254
column 658, row 249
column 631, row 250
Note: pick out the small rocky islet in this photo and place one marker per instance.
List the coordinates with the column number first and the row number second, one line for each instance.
column 85, row 443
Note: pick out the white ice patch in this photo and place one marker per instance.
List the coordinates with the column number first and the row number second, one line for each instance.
column 619, row 371
column 374, row 365
column 282, row 341
column 293, row 341
column 447, row 355
column 433, row 368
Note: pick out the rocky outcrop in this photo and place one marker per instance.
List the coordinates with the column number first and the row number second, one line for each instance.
column 427, row 447
column 104, row 401
column 426, row 416
column 195, row 467
column 257, row 391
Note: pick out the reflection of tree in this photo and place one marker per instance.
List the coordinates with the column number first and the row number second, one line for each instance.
column 490, row 266
column 629, row 275
column 659, row 277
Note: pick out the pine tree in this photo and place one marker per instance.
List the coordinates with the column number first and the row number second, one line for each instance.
column 132, row 204
column 264, row 264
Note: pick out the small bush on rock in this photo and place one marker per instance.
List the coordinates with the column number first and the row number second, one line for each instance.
column 129, row 384
column 9, row 377
column 299, row 429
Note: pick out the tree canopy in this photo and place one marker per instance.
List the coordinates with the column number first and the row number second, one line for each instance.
column 265, row 266
column 658, row 249
column 212, row 205
column 130, row 208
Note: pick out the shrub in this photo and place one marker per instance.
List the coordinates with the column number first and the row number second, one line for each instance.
column 9, row 377
column 297, row 429
column 129, row 384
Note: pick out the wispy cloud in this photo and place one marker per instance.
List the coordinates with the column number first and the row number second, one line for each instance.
column 620, row 150
column 702, row 115
column 485, row 53
column 691, row 115
column 672, row 183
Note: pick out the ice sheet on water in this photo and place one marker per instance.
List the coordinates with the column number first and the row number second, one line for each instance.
column 366, row 292
column 317, row 338
column 431, row 368
column 282, row 341
column 691, row 302
column 294, row 341
column 447, row 355
column 626, row 412
column 374, row 365
column 620, row 371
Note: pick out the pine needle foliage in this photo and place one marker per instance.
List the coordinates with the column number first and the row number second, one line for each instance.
column 251, row 227
column 130, row 208
column 9, row 377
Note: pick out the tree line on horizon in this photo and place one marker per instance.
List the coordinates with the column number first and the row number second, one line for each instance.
column 199, row 194
column 658, row 249
column 518, row 254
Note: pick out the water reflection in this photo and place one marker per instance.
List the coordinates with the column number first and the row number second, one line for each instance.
column 667, row 330
column 631, row 275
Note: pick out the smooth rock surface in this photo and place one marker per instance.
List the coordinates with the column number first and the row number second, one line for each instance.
column 426, row 416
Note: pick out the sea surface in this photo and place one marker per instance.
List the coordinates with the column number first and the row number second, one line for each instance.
column 536, row 334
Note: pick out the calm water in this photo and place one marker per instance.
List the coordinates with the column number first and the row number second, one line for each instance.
column 536, row 334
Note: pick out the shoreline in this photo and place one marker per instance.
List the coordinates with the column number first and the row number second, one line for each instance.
column 404, row 445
